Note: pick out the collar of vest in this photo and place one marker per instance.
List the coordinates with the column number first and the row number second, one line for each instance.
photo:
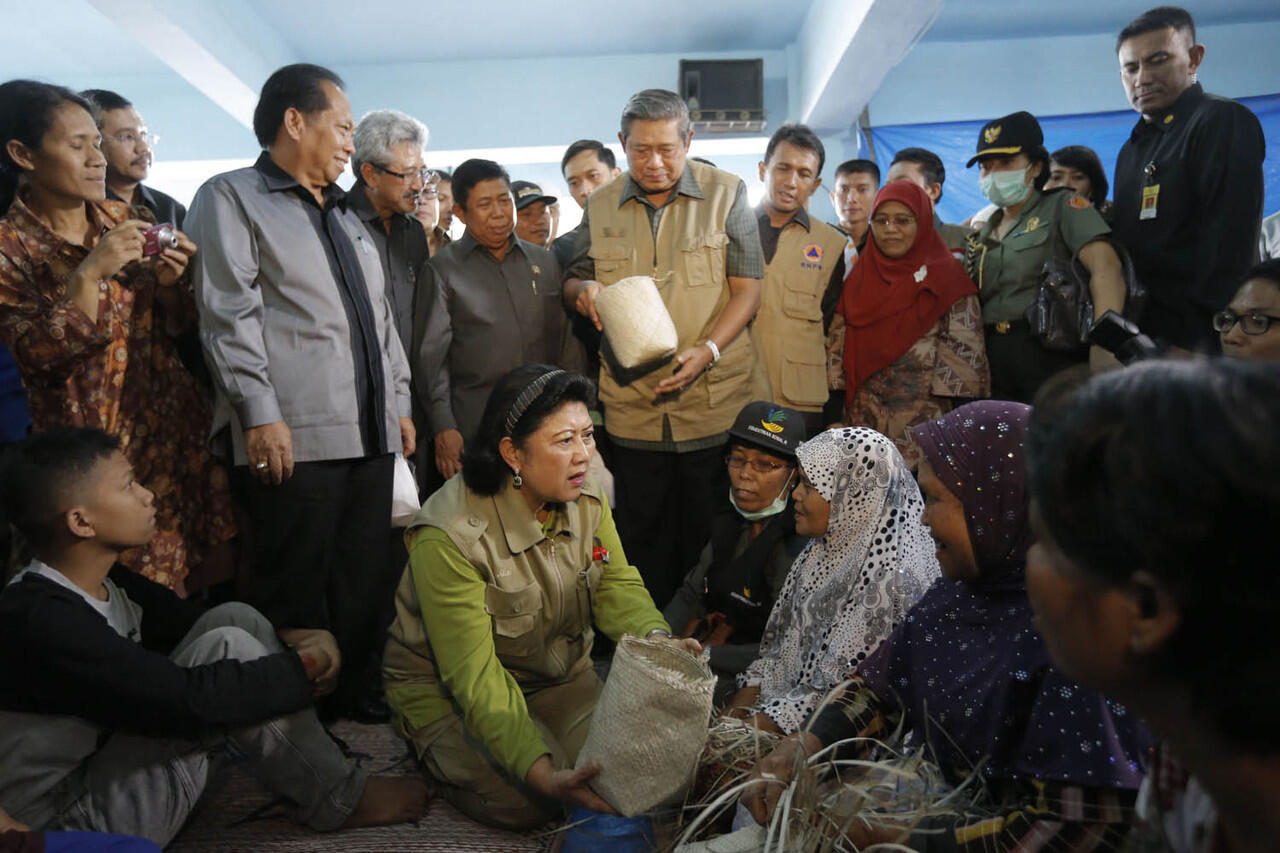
column 522, row 528
column 687, row 185
column 800, row 217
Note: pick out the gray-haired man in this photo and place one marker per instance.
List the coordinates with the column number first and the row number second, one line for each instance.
column 389, row 176
column 688, row 225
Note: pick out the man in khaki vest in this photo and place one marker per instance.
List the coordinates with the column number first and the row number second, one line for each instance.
column 689, row 226
column 804, row 265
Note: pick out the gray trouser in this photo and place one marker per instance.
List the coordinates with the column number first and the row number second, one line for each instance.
column 147, row 787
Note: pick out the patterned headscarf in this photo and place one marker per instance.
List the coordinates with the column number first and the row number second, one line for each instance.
column 850, row 587
column 967, row 659
column 976, row 451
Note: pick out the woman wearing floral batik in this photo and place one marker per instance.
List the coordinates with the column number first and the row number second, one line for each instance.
column 91, row 324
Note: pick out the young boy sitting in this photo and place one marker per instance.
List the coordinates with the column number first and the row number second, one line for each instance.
column 118, row 699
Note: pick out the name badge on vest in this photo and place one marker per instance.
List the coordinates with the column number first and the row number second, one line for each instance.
column 1150, row 198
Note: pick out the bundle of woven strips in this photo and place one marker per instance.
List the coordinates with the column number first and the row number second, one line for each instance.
column 827, row 795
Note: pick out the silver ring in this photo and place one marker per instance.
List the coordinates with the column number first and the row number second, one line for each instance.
column 260, row 466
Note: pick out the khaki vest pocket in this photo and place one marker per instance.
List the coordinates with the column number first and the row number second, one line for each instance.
column 804, row 371
column 610, row 257
column 726, row 381
column 702, row 259
column 802, row 303
column 515, row 615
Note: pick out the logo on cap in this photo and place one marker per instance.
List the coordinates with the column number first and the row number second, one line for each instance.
column 528, row 191
column 991, row 134
column 774, row 422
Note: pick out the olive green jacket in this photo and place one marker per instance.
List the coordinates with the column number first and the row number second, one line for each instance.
column 494, row 604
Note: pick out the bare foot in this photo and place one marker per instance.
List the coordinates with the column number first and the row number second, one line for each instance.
column 390, row 799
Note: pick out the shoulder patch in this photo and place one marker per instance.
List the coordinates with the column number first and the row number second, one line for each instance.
column 1079, row 202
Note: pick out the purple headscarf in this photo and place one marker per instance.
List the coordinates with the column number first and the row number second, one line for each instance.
column 976, row 451
column 967, row 658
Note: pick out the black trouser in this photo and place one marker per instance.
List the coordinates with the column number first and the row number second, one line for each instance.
column 665, row 504
column 1183, row 325
column 1020, row 365
column 318, row 556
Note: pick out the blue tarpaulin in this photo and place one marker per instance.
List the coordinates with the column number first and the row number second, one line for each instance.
column 954, row 142
column 14, row 418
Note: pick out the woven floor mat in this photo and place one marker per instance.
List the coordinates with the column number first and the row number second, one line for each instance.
column 237, row 814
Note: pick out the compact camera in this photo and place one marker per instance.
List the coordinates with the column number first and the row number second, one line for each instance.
column 157, row 238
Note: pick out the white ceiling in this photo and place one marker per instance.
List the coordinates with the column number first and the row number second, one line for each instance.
column 72, row 38
column 981, row 20
column 353, row 33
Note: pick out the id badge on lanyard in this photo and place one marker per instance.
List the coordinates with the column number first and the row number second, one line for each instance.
column 1150, row 193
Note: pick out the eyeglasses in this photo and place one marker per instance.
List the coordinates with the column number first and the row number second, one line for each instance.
column 428, row 177
column 897, row 221
column 1250, row 324
column 760, row 466
column 130, row 138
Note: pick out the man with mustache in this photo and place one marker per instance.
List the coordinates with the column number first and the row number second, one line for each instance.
column 1188, row 191
column 130, row 148
column 311, row 378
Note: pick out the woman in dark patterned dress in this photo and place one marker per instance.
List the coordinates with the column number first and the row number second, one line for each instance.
column 913, row 324
column 91, row 323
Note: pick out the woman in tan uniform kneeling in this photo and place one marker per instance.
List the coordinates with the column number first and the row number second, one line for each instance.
column 488, row 665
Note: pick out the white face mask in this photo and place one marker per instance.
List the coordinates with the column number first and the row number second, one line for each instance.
column 1005, row 189
column 778, row 505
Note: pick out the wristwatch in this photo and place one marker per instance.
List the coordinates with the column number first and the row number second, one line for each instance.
column 715, row 350
column 657, row 632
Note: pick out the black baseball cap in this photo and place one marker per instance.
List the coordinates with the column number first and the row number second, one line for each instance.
column 770, row 427
column 527, row 192
column 1016, row 133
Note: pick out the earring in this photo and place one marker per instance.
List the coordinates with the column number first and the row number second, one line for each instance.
column 516, row 480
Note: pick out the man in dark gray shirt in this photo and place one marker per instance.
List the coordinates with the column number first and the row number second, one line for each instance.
column 491, row 304
column 389, row 176
column 311, row 378
column 129, row 148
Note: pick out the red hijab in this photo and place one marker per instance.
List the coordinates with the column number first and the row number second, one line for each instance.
column 888, row 304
